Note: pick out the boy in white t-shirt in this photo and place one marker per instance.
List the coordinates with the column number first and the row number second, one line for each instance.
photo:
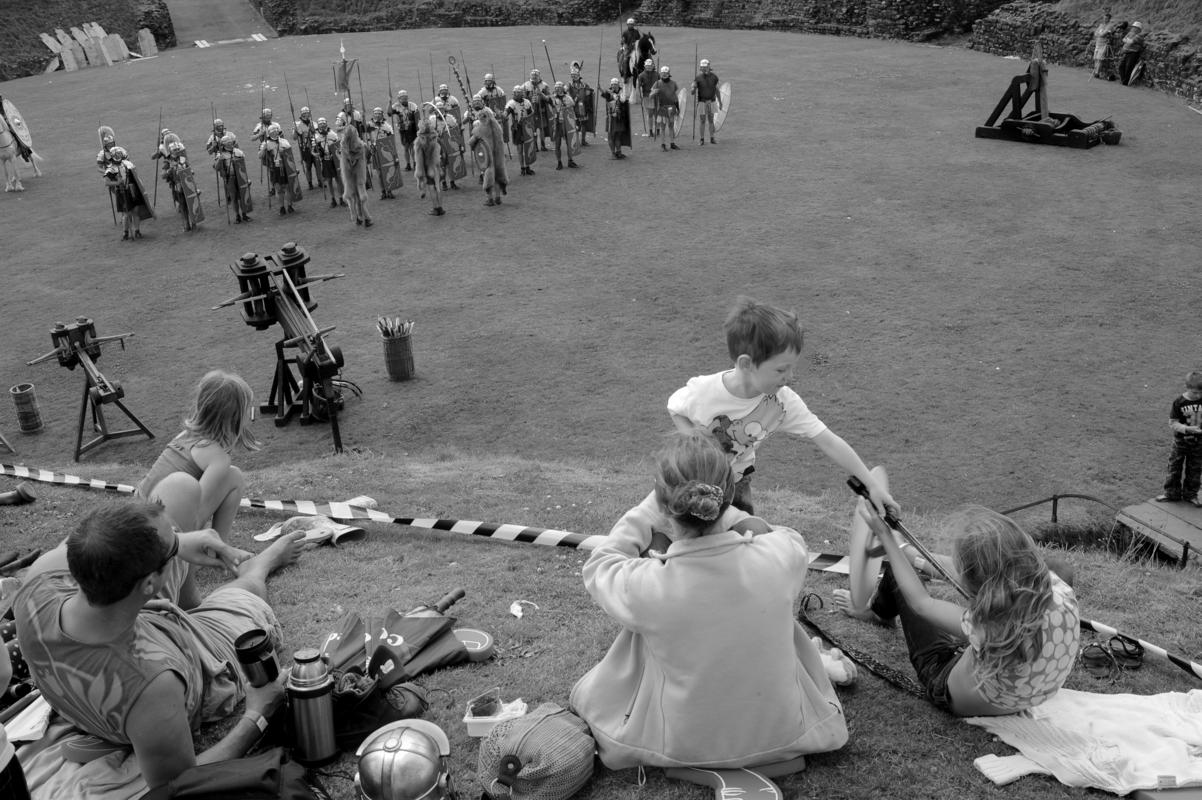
column 743, row 406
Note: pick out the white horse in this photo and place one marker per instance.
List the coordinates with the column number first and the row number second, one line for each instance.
column 8, row 159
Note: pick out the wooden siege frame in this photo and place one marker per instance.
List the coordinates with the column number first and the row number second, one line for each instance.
column 1038, row 126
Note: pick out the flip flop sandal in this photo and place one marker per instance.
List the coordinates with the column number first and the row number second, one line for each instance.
column 1128, row 653
column 1100, row 662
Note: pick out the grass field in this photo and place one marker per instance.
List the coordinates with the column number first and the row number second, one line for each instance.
column 993, row 321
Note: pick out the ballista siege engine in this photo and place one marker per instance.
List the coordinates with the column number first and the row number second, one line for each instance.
column 77, row 345
column 275, row 290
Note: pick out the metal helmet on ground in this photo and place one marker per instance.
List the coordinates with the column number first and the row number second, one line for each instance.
column 404, row 760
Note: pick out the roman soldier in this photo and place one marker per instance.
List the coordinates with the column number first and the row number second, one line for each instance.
column 582, row 93
column 230, row 163
column 520, row 115
column 325, row 147
column 450, row 142
column 646, row 81
column 427, row 161
column 563, row 124
column 705, row 90
column 493, row 96
column 405, row 116
column 630, row 36
column 276, row 155
column 539, row 95
column 353, row 115
column 123, row 182
column 259, row 132
column 667, row 105
column 382, row 149
column 302, row 133
column 450, row 103
column 488, row 149
column 108, row 140
column 182, row 180
column 617, row 118
column 213, row 144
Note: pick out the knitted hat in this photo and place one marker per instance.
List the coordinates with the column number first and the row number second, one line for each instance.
column 546, row 755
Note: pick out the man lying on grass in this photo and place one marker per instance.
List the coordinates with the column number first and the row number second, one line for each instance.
column 1011, row 649
column 115, row 655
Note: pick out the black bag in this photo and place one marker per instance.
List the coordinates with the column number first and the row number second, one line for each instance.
column 267, row 776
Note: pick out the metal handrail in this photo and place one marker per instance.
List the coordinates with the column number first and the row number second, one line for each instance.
column 1055, row 501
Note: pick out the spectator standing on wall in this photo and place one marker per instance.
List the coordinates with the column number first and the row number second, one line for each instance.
column 1132, row 52
column 1101, row 48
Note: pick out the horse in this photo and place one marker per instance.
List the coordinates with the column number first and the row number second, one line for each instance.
column 10, row 149
column 353, row 162
column 631, row 60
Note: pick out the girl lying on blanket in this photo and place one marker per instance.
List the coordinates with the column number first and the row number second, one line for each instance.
column 1011, row 649
column 710, row 668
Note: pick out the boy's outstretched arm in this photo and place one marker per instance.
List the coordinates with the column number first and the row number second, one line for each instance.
column 683, row 424
column 842, row 454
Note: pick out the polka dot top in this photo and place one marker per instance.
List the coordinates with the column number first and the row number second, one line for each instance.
column 1022, row 685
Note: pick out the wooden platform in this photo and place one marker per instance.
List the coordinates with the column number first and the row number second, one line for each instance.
column 1176, row 528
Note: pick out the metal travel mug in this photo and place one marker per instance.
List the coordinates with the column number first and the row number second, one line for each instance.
column 311, row 697
column 257, row 657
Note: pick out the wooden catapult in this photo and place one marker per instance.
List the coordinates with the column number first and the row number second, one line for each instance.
column 1042, row 126
column 77, row 345
column 275, row 291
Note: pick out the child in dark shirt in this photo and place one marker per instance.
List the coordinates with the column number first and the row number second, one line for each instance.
column 1185, row 463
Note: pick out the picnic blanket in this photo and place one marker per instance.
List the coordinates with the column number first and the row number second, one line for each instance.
column 51, row 776
column 1116, row 742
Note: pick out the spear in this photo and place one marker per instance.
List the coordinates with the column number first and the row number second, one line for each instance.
column 216, row 172
column 533, row 61
column 695, row 94
column 466, row 72
column 433, row 91
column 320, row 177
column 550, row 63
column 158, row 133
column 597, row 87
column 261, row 102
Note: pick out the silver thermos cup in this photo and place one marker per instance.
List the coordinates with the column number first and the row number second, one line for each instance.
column 310, row 696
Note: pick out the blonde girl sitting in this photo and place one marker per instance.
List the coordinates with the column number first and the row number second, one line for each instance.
column 1012, row 647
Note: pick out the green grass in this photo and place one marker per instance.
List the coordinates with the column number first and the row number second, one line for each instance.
column 895, row 740
column 1180, row 17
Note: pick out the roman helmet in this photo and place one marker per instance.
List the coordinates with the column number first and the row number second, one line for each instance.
column 630, row 21
column 402, row 94
column 534, row 73
column 405, row 760
column 377, row 114
column 705, row 64
column 229, row 141
column 273, row 130
column 519, row 92
column 489, row 80
column 443, row 91
column 265, row 115
column 218, row 126
column 664, row 71
column 575, row 70
column 117, row 153
column 304, row 112
column 560, row 88
column 615, row 81
column 322, row 121
column 648, row 64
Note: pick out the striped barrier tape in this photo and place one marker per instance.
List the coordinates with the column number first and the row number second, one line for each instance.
column 828, row 562
column 1191, row 667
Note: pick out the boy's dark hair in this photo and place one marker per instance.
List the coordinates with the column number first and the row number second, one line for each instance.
column 1194, row 380
column 114, row 547
column 761, row 331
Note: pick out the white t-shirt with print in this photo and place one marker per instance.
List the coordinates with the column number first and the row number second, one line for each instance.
column 740, row 424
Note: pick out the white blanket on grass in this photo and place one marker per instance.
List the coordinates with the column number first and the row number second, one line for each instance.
column 1116, row 742
column 52, row 777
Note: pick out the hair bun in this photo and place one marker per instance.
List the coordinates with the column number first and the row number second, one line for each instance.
column 703, row 500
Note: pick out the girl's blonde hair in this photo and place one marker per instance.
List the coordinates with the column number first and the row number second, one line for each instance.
column 693, row 482
column 222, row 411
column 1010, row 585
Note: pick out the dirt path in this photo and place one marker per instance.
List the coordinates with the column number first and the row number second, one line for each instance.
column 216, row 20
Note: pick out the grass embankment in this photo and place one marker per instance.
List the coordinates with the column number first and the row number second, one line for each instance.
column 22, row 51
column 1180, row 17
column 318, row 16
column 895, row 740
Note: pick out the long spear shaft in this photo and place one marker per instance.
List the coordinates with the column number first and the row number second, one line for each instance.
column 550, row 64
column 468, row 73
column 597, row 87
column 433, row 91
column 695, row 94
column 158, row 135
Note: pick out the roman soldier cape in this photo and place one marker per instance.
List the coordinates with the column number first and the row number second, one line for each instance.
column 488, row 150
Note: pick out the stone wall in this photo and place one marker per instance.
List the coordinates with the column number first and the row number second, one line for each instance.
column 298, row 17
column 895, row 19
column 153, row 14
column 1171, row 64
